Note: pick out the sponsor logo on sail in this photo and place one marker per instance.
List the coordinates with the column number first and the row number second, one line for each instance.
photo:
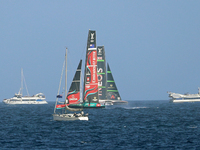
column 100, row 78
column 112, row 97
column 100, row 70
column 99, row 51
column 73, row 98
column 99, row 58
column 94, row 67
column 87, row 86
column 100, row 91
column 88, row 79
column 94, row 56
column 95, row 99
column 92, row 37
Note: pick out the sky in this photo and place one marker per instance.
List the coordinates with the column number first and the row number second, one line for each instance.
column 152, row 46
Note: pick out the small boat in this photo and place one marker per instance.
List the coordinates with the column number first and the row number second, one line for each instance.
column 63, row 115
column 20, row 99
column 179, row 98
column 70, row 117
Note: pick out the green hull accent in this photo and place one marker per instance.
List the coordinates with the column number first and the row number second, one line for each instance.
column 100, row 60
column 86, row 105
column 112, row 90
column 61, row 108
column 110, row 81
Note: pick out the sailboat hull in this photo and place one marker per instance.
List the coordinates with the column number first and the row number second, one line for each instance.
column 72, row 96
column 86, row 105
column 113, row 102
column 69, row 117
column 119, row 102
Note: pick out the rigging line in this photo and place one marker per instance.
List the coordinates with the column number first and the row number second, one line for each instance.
column 82, row 70
column 59, row 86
column 81, row 89
column 84, row 49
column 66, row 100
column 71, row 68
column 21, row 89
column 70, row 64
column 61, row 77
column 25, row 85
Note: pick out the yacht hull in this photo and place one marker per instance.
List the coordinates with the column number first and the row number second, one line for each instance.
column 69, row 117
column 86, row 105
column 184, row 100
column 180, row 98
column 8, row 101
column 113, row 102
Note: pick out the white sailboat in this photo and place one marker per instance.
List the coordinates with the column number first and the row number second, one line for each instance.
column 20, row 99
column 64, row 116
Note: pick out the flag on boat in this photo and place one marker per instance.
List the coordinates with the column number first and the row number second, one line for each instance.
column 59, row 96
column 91, row 45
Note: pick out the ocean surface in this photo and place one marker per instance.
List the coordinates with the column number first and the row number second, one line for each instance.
column 138, row 125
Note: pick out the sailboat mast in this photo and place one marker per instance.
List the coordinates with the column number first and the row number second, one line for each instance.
column 21, row 81
column 66, row 101
column 81, row 99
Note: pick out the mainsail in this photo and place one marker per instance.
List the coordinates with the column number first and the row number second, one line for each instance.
column 73, row 95
column 101, row 72
column 112, row 92
column 90, row 80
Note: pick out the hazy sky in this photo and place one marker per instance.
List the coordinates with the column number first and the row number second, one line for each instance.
column 152, row 46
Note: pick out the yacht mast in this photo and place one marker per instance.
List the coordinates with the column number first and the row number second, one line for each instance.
column 21, row 92
column 66, row 100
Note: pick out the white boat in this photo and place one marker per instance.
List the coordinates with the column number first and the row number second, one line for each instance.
column 70, row 117
column 20, row 99
column 63, row 107
column 178, row 98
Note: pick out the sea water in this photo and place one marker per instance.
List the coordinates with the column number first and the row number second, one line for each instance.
column 138, row 125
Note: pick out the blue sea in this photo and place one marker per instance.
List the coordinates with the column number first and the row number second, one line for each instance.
column 138, row 125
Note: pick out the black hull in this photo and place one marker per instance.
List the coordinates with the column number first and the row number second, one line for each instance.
column 119, row 102
column 86, row 105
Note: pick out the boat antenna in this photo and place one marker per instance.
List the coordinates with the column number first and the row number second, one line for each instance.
column 21, row 91
column 25, row 85
column 66, row 101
